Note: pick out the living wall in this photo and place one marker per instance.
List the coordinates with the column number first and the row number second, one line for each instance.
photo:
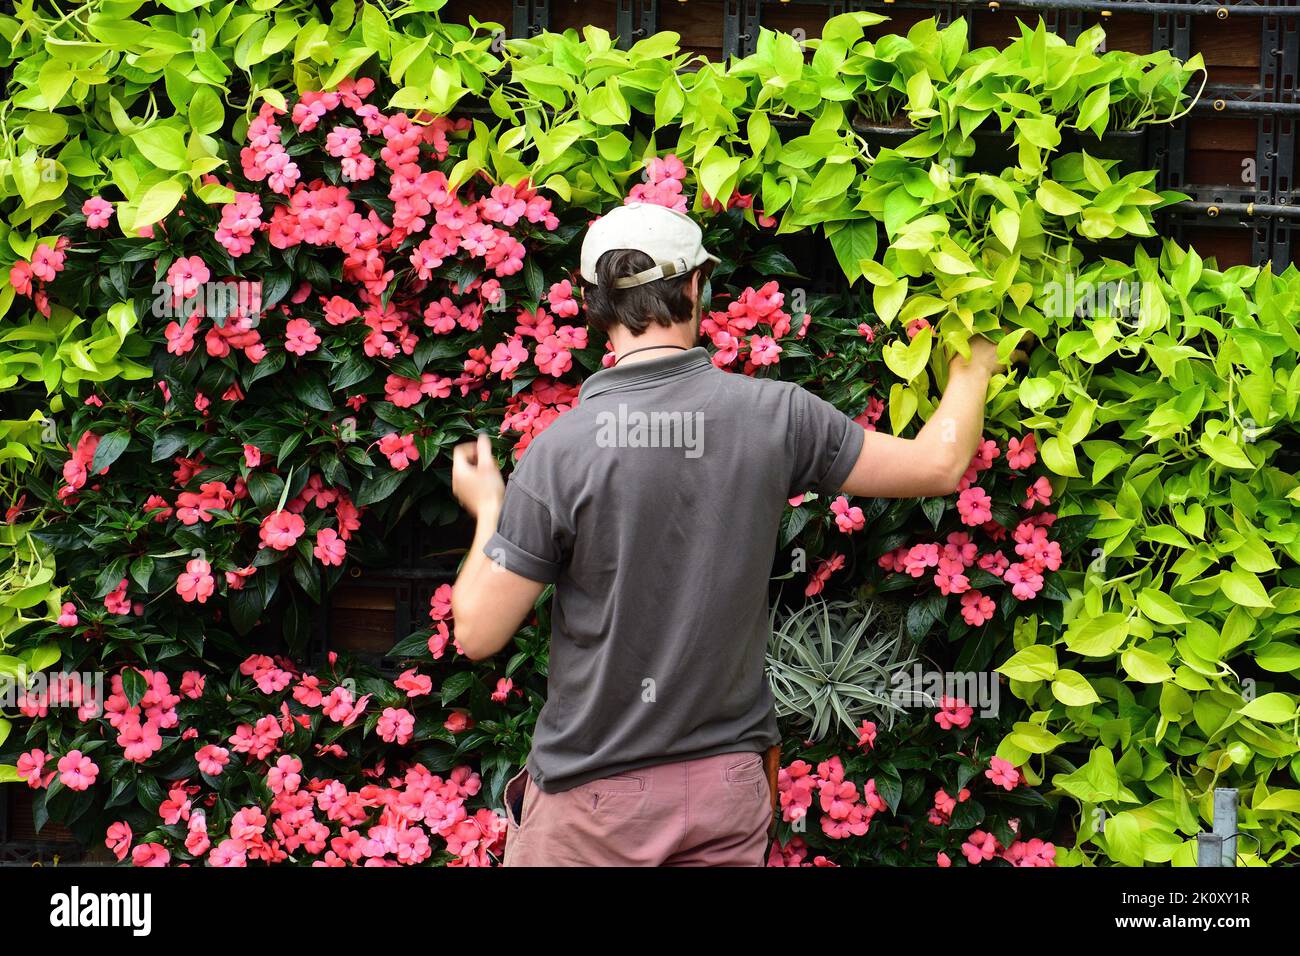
column 247, row 319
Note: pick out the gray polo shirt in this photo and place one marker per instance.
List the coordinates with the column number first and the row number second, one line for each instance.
column 654, row 507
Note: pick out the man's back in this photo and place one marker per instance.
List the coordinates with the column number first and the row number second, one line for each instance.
column 654, row 507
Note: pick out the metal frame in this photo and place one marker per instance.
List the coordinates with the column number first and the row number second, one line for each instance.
column 530, row 17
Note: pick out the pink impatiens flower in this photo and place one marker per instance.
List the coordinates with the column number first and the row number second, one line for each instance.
column 979, row 847
column 281, row 530
column 400, row 449
column 976, row 608
column 98, row 212
column 300, row 337
column 975, row 506
column 150, row 854
column 330, row 549
column 953, row 712
column 848, row 518
column 1040, row 492
column 77, row 771
column 118, row 839
column 31, row 768
column 186, row 275
column 196, row 582
column 68, row 615
column 212, row 759
column 1022, row 453
column 1003, row 773
column 396, row 725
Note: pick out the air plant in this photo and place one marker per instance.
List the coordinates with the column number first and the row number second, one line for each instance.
column 837, row 661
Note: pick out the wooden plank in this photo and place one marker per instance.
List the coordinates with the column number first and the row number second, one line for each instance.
column 698, row 22
column 22, row 828
column 1227, row 246
column 803, row 21
column 362, row 619
column 500, row 12
column 575, row 14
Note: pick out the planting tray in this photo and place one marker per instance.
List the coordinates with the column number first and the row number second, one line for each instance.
column 993, row 149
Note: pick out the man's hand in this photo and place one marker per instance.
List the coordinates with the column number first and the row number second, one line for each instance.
column 475, row 478
column 984, row 355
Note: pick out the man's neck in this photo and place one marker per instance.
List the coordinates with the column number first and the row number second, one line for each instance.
column 653, row 343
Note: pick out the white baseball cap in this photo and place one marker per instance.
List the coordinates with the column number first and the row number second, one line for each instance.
column 672, row 239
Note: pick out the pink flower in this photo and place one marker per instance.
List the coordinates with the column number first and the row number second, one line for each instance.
column 949, row 579
column 68, row 615
column 953, row 712
column 176, row 807
column 212, row 759
column 763, row 350
column 396, row 725
column 139, row 741
column 823, row 574
column 974, row 505
column 300, row 337
column 440, row 603
column 330, row 550
column 1003, row 773
column 414, row 683
column 252, row 456
column 400, row 449
column 281, row 530
column 1024, row 580
column 150, row 854
column 118, row 839
column 31, row 767
column 228, row 853
column 1022, row 453
column 196, row 583
column 186, row 275
column 77, row 771
column 1040, row 492
column 847, row 519
column 979, row 847
column 192, row 683
column 97, row 212
column 867, row 735
column 116, row 600
column 504, row 686
column 508, row 356
column 976, row 608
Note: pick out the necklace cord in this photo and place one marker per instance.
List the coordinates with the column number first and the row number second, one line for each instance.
column 647, row 348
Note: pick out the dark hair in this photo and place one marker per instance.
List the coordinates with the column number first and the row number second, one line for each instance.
column 662, row 302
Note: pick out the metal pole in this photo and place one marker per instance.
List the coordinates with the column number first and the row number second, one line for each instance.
column 1219, row 847
column 1107, row 7
column 1225, row 823
column 1214, row 209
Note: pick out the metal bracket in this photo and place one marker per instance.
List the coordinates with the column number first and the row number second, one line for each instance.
column 1167, row 142
column 529, row 18
column 1219, row 847
column 623, row 24
column 741, row 20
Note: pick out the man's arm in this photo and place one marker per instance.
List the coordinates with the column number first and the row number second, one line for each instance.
column 932, row 463
column 488, row 603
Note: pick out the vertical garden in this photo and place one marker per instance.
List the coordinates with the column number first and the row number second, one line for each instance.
column 263, row 264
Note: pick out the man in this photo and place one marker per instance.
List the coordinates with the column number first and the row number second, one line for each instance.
column 654, row 508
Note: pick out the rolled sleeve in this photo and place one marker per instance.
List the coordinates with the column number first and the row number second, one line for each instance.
column 526, row 540
column 827, row 445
